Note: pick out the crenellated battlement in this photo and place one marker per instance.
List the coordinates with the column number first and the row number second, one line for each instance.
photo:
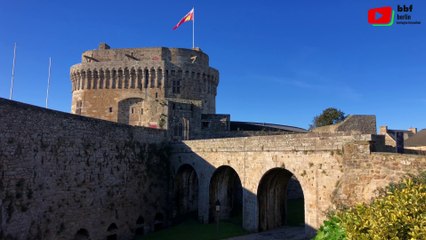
column 155, row 54
column 112, row 75
column 117, row 77
column 135, row 85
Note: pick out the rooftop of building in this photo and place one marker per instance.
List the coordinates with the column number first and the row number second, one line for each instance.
column 417, row 140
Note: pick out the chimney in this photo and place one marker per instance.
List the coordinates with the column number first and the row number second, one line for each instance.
column 413, row 130
column 383, row 130
column 103, row 46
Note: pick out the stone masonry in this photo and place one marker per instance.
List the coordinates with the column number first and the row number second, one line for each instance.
column 61, row 174
column 165, row 88
column 66, row 176
column 333, row 169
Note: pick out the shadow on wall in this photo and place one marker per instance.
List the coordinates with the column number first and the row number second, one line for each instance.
column 109, row 180
column 130, row 111
column 217, row 194
column 225, row 192
column 186, row 193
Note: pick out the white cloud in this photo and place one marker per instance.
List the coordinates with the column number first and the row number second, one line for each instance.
column 314, row 82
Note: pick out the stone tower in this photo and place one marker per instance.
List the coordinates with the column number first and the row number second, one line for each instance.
column 167, row 88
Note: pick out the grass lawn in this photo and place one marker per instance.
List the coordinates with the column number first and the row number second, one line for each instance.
column 193, row 230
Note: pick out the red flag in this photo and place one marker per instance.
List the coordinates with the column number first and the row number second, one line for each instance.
column 188, row 17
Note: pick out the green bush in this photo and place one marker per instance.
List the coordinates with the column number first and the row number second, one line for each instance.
column 398, row 213
column 331, row 230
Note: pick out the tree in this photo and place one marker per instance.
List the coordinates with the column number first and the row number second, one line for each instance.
column 328, row 117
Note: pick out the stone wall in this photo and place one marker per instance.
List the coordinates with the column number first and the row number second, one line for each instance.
column 419, row 148
column 316, row 160
column 333, row 169
column 365, row 124
column 236, row 134
column 184, row 118
column 364, row 172
column 61, row 174
column 107, row 77
column 214, row 123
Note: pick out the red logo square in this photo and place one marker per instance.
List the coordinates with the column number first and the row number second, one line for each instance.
column 381, row 15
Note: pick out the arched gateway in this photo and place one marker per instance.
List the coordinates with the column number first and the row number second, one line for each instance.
column 186, row 191
column 225, row 189
column 279, row 197
column 280, row 200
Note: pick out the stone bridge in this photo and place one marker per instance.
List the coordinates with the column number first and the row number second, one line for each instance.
column 63, row 175
column 251, row 175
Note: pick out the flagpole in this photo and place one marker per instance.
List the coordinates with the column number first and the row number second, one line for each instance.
column 48, row 80
column 193, row 28
column 12, row 80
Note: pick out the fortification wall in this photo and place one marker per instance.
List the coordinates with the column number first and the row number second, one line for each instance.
column 61, row 174
column 363, row 173
column 333, row 169
column 127, row 107
column 106, row 77
column 365, row 124
column 286, row 142
column 314, row 159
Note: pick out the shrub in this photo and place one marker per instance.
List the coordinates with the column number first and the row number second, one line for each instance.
column 331, row 230
column 398, row 213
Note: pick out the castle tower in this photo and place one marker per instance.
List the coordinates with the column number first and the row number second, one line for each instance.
column 167, row 88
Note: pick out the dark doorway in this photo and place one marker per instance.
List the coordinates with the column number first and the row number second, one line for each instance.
column 81, row 234
column 225, row 186
column 140, row 226
column 158, row 222
column 186, row 192
column 112, row 237
column 112, row 231
column 280, row 200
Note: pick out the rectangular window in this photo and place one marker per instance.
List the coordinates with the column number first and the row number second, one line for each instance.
column 78, row 107
column 110, row 109
column 205, row 125
column 176, row 86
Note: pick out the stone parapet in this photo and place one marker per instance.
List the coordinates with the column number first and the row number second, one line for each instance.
column 61, row 174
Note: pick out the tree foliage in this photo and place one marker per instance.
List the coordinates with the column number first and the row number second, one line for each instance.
column 328, row 117
column 331, row 230
column 399, row 213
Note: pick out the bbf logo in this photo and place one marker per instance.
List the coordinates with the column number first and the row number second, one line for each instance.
column 405, row 8
column 385, row 16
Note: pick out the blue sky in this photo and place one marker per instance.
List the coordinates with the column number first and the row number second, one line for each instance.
column 279, row 61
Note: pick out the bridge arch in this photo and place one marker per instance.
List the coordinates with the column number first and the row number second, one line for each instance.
column 82, row 234
column 225, row 187
column 140, row 226
column 112, row 232
column 186, row 191
column 276, row 189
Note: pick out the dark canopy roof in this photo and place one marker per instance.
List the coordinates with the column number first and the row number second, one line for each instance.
column 254, row 126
